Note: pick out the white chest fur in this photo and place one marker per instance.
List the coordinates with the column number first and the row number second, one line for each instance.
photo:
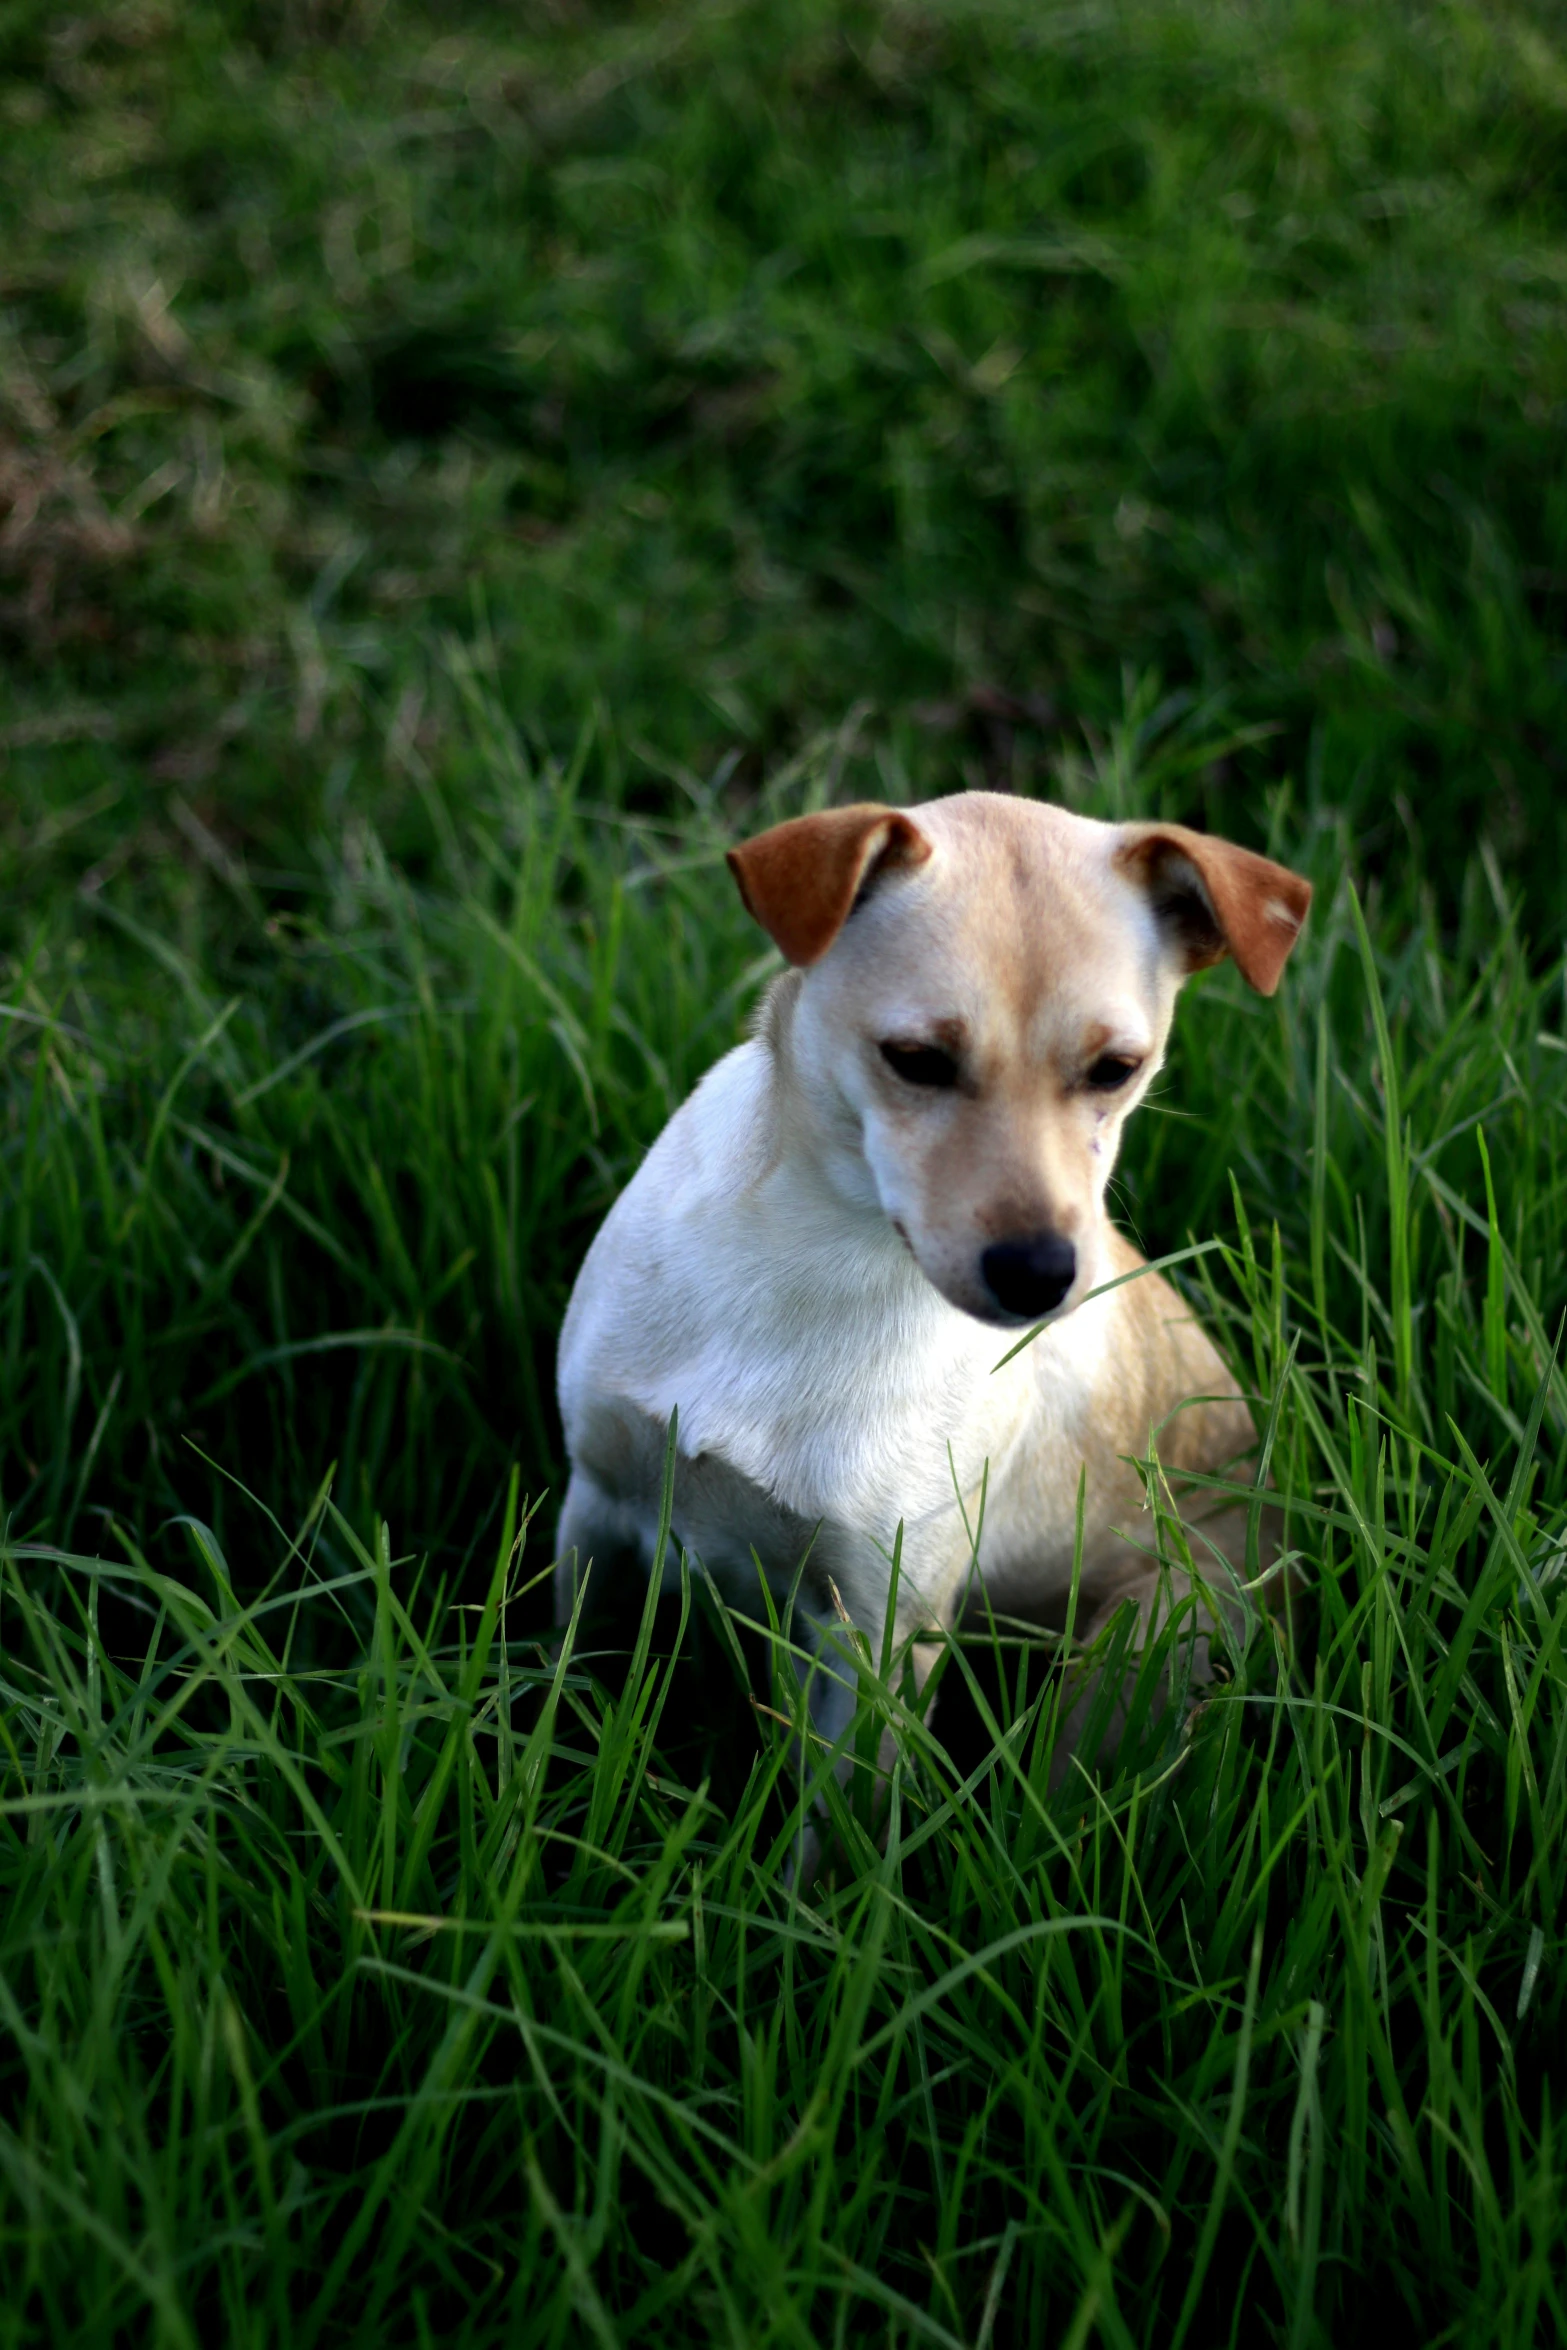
column 798, row 1341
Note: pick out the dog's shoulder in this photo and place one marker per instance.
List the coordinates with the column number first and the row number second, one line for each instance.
column 717, row 1142
column 669, row 1260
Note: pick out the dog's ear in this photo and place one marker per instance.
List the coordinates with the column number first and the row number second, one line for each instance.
column 1217, row 900
column 803, row 879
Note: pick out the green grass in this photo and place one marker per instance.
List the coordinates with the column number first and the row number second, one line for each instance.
column 731, row 367
column 456, row 472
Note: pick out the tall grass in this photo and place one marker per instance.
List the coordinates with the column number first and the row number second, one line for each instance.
column 375, row 1969
column 458, row 470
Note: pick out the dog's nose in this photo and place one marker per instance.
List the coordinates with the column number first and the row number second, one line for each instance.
column 1029, row 1277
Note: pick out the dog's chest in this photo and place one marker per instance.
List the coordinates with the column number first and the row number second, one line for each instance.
column 825, row 1375
column 863, row 1434
column 800, row 1344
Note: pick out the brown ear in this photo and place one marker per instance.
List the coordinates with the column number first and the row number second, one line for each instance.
column 1218, row 899
column 801, row 880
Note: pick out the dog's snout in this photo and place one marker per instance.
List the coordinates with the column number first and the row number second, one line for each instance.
column 1029, row 1277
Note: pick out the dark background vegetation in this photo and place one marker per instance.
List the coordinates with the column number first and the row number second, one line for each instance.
column 459, row 467
column 731, row 368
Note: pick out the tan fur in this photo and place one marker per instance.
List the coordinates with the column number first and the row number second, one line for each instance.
column 800, row 880
column 1255, row 907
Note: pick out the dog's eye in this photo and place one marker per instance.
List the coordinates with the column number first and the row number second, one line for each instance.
column 1111, row 1071
column 919, row 1064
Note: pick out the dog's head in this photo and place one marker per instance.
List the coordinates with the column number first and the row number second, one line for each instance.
column 988, row 991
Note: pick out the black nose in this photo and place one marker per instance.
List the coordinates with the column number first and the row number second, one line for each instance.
column 1029, row 1277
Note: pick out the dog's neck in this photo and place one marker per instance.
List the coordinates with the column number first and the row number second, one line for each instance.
column 814, row 1143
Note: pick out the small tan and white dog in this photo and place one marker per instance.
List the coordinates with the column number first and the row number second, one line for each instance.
column 818, row 1259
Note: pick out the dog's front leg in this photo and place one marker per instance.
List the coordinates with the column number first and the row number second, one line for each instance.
column 827, row 1676
column 601, row 1542
column 829, row 1673
column 1209, row 1603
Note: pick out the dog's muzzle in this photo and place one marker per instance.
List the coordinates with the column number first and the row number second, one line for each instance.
column 1028, row 1278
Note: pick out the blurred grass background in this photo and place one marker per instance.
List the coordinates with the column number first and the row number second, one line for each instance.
column 459, row 467
column 732, row 368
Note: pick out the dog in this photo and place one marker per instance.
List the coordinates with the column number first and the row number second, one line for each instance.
column 827, row 1248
